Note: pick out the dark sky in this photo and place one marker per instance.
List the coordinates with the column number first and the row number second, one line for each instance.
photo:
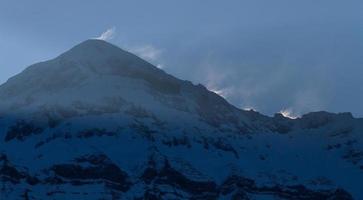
column 292, row 55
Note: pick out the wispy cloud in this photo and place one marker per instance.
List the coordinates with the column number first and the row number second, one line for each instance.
column 108, row 34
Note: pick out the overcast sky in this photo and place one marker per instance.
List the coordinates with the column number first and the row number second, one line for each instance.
column 292, row 55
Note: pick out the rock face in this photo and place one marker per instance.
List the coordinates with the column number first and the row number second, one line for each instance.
column 100, row 123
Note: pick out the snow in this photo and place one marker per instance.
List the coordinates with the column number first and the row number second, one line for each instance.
column 97, row 86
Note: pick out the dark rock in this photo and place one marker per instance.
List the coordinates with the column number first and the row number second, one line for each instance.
column 101, row 168
column 168, row 176
column 21, row 130
column 240, row 187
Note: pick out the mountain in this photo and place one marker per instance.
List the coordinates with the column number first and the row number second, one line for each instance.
column 98, row 122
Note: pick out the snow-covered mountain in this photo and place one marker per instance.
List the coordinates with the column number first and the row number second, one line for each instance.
column 100, row 123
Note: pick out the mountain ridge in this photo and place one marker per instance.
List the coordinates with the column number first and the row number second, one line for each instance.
column 100, row 123
column 88, row 48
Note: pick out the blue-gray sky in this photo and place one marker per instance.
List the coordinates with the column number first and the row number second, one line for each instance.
column 293, row 55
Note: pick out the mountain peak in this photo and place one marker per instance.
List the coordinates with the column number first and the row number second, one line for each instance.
column 79, row 117
column 94, row 46
column 96, row 42
column 87, row 60
column 94, row 50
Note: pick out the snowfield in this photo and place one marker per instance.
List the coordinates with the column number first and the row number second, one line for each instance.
column 100, row 123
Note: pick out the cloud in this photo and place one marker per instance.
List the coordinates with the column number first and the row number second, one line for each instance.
column 108, row 34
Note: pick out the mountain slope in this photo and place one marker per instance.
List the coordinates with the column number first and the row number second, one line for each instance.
column 100, row 123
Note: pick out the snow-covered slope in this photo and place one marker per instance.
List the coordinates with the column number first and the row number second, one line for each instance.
column 100, row 123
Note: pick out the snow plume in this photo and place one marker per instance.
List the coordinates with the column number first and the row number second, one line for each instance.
column 108, row 34
column 249, row 108
column 288, row 113
column 214, row 80
column 220, row 92
column 149, row 53
column 224, row 92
